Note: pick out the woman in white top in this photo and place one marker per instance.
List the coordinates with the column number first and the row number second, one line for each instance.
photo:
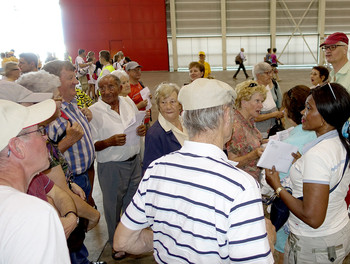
column 319, row 222
column 262, row 73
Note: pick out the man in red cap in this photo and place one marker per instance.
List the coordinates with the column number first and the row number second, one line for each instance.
column 336, row 49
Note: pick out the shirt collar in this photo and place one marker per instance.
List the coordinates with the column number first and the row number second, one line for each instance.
column 328, row 135
column 205, row 150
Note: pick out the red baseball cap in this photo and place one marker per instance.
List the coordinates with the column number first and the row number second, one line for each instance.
column 335, row 38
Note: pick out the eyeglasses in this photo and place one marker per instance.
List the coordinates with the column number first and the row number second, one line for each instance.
column 41, row 130
column 269, row 72
column 331, row 47
column 253, row 84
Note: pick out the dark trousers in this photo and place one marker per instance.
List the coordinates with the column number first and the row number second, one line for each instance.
column 241, row 65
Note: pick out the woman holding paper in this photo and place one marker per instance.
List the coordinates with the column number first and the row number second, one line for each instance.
column 245, row 144
column 168, row 133
column 118, row 158
column 319, row 223
column 293, row 103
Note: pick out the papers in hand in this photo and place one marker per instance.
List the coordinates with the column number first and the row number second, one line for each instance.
column 278, row 154
column 282, row 135
column 131, row 131
column 145, row 93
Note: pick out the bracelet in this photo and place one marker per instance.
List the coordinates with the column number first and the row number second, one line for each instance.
column 278, row 190
column 71, row 212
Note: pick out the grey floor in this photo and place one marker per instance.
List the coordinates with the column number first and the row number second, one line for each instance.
column 96, row 239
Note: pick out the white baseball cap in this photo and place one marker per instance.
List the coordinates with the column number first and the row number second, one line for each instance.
column 205, row 93
column 15, row 117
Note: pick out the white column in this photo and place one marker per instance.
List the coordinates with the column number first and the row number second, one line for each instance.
column 321, row 24
column 173, row 34
column 223, row 34
column 273, row 24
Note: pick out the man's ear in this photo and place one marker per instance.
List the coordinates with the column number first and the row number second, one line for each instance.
column 16, row 146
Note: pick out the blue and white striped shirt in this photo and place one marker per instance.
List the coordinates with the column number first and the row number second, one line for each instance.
column 201, row 208
column 81, row 155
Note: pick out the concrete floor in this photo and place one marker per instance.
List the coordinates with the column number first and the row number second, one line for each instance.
column 96, row 239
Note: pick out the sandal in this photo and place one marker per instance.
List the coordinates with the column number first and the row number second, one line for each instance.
column 118, row 255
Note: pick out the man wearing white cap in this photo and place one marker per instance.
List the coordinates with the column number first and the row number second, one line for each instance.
column 335, row 48
column 201, row 208
column 30, row 230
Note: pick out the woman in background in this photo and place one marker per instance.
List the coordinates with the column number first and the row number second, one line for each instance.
column 319, row 76
column 245, row 144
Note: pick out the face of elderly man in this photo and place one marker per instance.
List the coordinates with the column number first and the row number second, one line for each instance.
column 110, row 90
column 34, row 140
column 68, row 83
column 338, row 53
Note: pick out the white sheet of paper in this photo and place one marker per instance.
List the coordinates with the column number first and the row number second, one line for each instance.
column 284, row 134
column 278, row 154
column 131, row 136
column 145, row 93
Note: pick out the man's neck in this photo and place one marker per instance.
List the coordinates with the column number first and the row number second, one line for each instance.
column 338, row 65
column 133, row 81
column 210, row 137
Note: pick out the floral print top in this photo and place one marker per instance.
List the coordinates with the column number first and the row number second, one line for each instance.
column 245, row 138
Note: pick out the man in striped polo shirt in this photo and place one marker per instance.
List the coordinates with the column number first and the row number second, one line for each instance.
column 200, row 207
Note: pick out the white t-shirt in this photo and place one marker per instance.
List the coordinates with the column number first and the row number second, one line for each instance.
column 30, row 230
column 80, row 60
column 107, row 122
column 322, row 164
column 269, row 103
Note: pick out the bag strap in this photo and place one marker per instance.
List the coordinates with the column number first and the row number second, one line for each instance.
column 345, row 166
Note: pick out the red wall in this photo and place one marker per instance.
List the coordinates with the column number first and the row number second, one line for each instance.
column 137, row 27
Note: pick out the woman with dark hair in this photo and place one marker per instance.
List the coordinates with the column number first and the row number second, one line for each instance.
column 293, row 103
column 319, row 221
column 319, row 76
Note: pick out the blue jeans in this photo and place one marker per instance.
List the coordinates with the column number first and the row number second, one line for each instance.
column 81, row 256
column 83, row 181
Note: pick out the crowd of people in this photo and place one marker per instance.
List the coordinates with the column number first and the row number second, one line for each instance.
column 185, row 186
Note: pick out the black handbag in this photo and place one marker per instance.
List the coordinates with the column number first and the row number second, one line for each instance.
column 277, row 127
column 280, row 212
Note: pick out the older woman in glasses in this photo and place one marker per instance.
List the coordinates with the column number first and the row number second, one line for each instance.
column 319, row 222
column 168, row 133
column 245, row 144
column 262, row 73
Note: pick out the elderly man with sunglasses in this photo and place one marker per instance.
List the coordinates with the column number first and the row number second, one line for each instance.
column 335, row 48
column 30, row 230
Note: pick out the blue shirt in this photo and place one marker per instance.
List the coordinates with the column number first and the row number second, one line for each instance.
column 81, row 154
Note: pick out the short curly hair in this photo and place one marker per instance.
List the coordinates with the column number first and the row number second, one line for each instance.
column 245, row 91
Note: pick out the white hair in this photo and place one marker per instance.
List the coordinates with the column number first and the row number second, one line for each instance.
column 120, row 73
column 40, row 82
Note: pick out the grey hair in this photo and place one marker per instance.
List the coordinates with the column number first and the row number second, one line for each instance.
column 40, row 82
column 165, row 89
column 201, row 120
column 120, row 73
column 260, row 68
